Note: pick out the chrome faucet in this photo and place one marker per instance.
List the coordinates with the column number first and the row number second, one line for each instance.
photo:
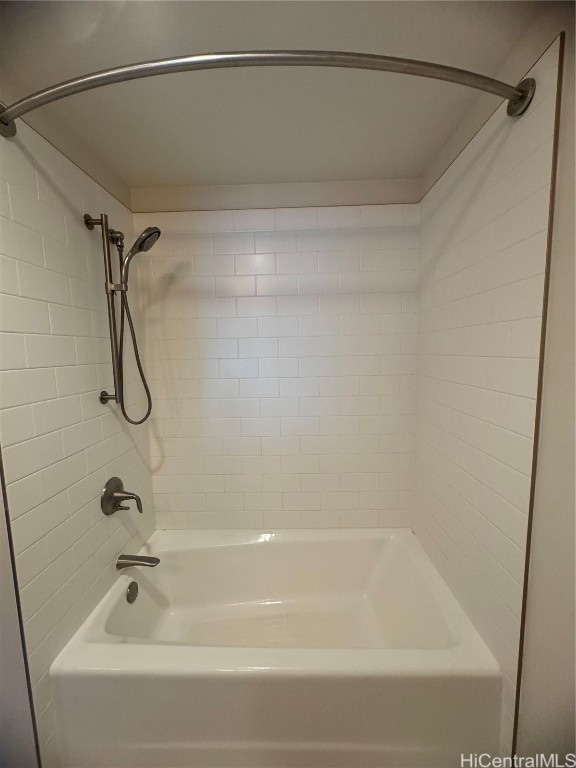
column 126, row 561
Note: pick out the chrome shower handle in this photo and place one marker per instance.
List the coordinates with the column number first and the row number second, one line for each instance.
column 120, row 496
column 114, row 494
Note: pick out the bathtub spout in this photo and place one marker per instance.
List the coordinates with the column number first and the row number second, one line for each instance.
column 126, row 561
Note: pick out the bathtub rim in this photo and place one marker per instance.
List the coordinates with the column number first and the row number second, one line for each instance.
column 89, row 651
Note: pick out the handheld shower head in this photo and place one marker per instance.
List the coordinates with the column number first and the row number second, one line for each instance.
column 146, row 240
column 143, row 243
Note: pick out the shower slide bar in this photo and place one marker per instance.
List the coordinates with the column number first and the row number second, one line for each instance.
column 519, row 96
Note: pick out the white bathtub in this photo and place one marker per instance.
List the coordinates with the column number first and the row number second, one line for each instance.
column 300, row 649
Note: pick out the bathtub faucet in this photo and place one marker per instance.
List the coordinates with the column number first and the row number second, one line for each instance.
column 126, row 561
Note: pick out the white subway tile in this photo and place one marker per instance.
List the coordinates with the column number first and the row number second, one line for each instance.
column 9, row 269
column 301, row 386
column 38, row 283
column 31, row 456
column 266, row 465
column 70, row 321
column 255, row 264
column 299, row 425
column 519, row 300
column 265, row 347
column 318, row 326
column 296, row 263
column 301, row 501
column 275, row 327
column 275, row 367
column 12, row 351
column 314, row 285
column 319, row 240
column 280, row 446
column 257, row 219
column 31, row 386
column 237, row 328
column 338, row 261
column 260, row 427
column 281, row 483
column 340, row 217
column 73, row 380
column 280, row 406
column 184, row 244
column 210, row 221
column 238, row 369
column 318, row 482
column 265, row 502
column 261, row 306
column 295, row 306
column 513, row 376
column 45, row 351
column 319, row 406
column 259, row 388
column 383, row 215
column 36, row 214
column 238, row 242
column 80, row 436
column 214, row 348
column 320, row 444
column 276, row 285
column 275, row 242
column 291, row 346
column 219, row 308
column 338, row 305
column 244, row 406
column 296, row 218
column 236, row 286
column 20, row 243
column 21, row 315
column 242, row 446
column 209, row 265
column 16, row 425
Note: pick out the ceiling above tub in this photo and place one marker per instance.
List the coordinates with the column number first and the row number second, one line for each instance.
column 254, row 126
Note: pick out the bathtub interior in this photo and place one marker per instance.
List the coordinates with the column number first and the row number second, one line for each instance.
column 280, row 591
column 345, row 648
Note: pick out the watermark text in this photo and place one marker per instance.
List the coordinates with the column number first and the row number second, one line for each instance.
column 541, row 760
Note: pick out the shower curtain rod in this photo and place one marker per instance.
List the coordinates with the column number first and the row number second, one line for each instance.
column 519, row 97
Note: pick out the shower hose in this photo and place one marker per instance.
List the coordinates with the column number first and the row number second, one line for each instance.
column 125, row 314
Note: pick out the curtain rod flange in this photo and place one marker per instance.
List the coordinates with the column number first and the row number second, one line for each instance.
column 518, row 106
column 8, row 127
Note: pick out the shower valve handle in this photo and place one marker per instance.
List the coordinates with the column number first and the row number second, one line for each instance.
column 125, row 496
column 114, row 494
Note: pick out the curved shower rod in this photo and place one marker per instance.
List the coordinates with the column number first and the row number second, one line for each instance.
column 519, row 97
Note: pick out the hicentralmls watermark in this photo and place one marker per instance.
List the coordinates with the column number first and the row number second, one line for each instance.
column 485, row 760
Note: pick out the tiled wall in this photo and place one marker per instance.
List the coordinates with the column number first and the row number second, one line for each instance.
column 280, row 348
column 59, row 444
column 483, row 255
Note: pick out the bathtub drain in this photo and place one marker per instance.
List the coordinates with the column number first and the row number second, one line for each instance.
column 132, row 592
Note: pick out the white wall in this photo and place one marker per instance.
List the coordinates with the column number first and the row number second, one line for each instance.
column 483, row 256
column 547, row 718
column 59, row 443
column 16, row 729
column 281, row 356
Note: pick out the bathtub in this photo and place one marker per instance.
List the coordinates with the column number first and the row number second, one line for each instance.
column 291, row 649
